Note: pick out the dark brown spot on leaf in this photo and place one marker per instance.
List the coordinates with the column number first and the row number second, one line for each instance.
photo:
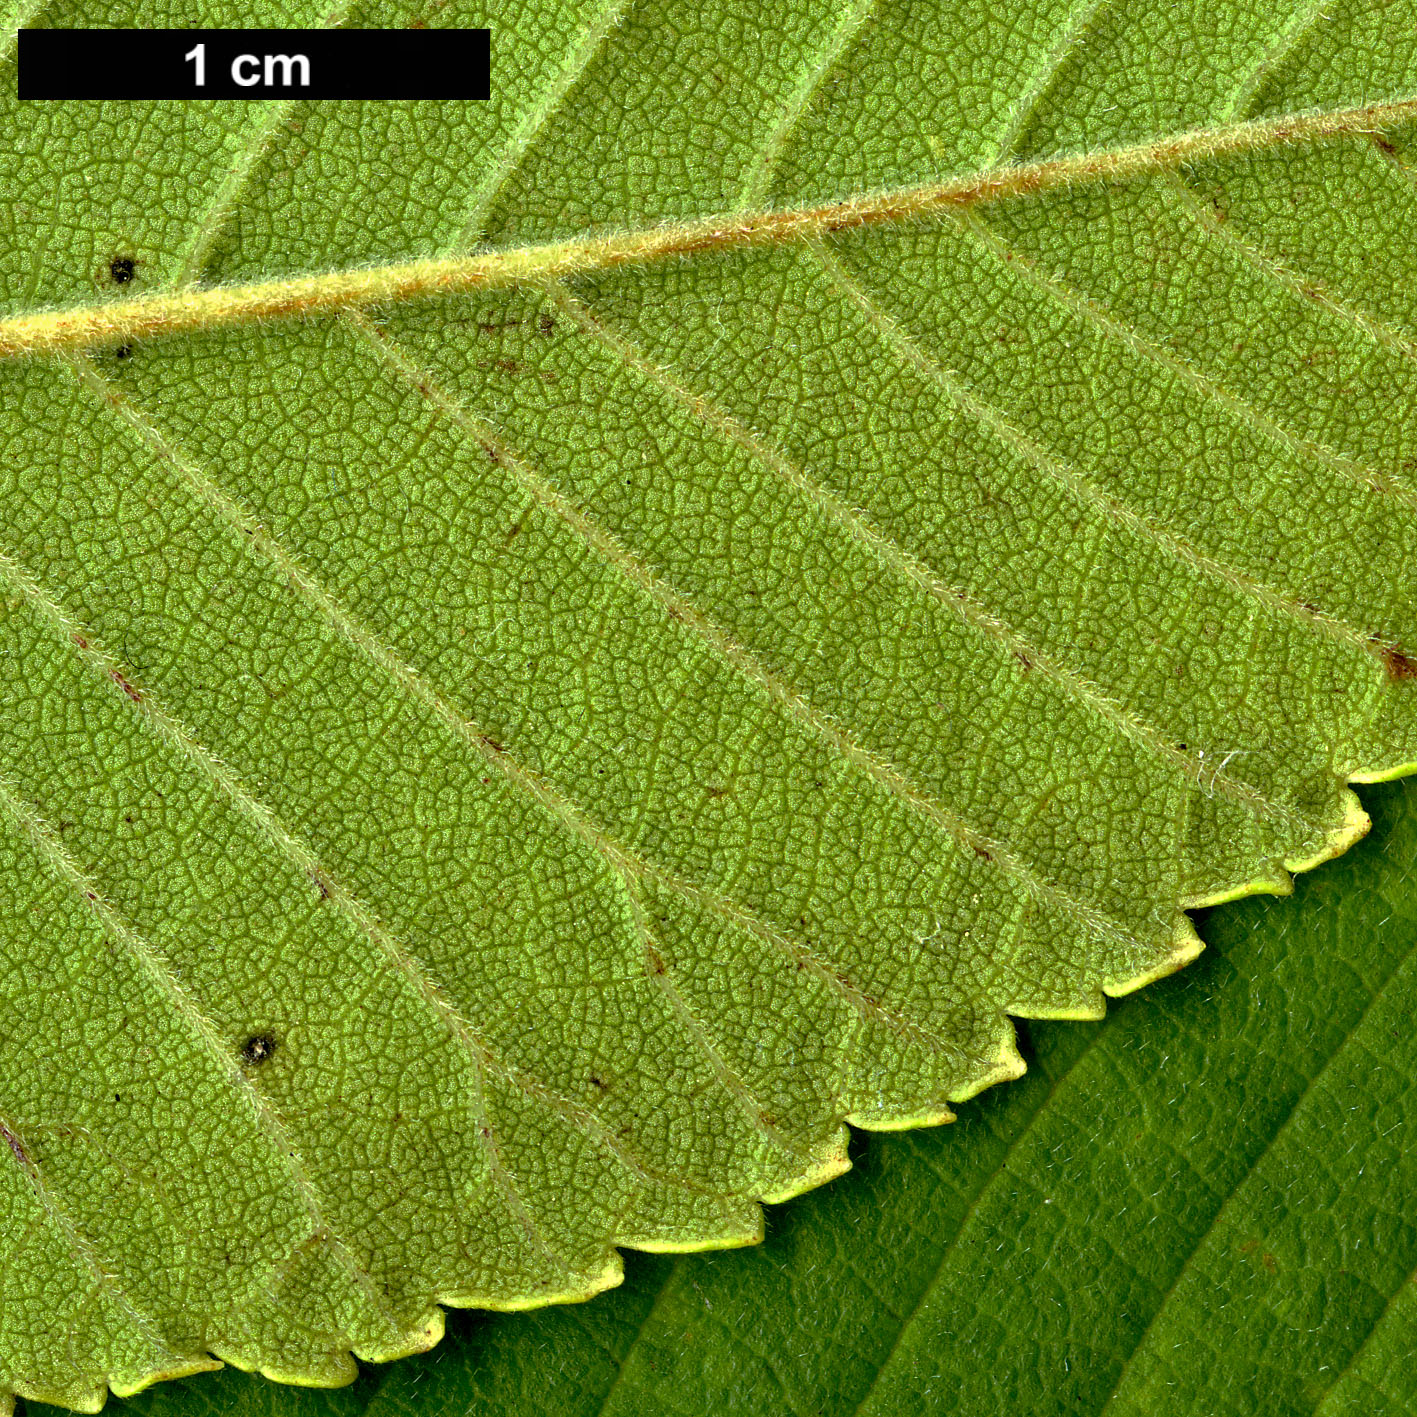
column 258, row 1049
column 17, row 1147
column 135, row 694
column 1399, row 665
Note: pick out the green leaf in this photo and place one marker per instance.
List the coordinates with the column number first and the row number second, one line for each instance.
column 561, row 650
column 1201, row 1206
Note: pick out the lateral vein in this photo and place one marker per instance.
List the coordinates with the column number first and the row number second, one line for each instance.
column 737, row 657
column 620, row 857
column 152, row 963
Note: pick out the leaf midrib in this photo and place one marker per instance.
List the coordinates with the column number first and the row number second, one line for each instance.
column 189, row 311
column 617, row 862
column 1021, row 179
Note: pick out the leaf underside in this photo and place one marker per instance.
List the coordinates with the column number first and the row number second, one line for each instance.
column 487, row 780
column 1201, row 1206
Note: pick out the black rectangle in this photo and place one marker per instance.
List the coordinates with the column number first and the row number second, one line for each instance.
column 58, row 63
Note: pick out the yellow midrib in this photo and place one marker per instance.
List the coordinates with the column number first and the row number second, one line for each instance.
column 187, row 311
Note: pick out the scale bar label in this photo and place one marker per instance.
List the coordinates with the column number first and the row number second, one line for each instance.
column 328, row 63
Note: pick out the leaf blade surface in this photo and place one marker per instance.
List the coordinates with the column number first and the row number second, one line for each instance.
column 554, row 756
column 1090, row 1216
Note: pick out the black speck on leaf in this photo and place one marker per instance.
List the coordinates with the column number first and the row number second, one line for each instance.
column 122, row 269
column 257, row 1049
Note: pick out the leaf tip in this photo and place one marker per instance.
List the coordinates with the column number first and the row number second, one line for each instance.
column 832, row 1163
column 1185, row 946
column 1354, row 826
column 426, row 1333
